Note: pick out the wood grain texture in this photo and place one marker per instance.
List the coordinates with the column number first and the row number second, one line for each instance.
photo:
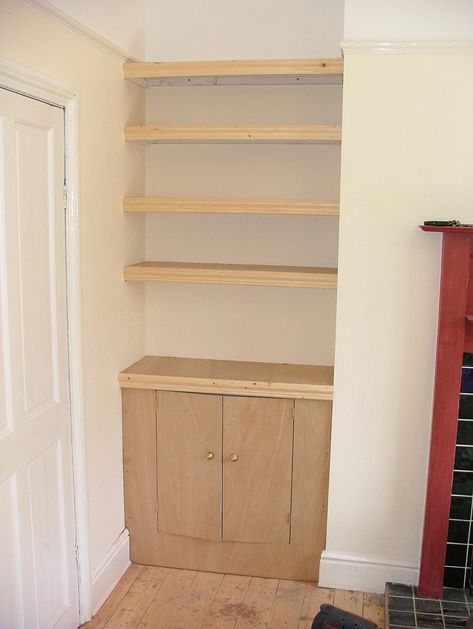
column 189, row 427
column 210, row 205
column 257, row 487
column 312, row 429
column 373, row 609
column 169, row 600
column 242, row 274
column 292, row 134
column 287, row 605
column 258, row 604
column 202, row 375
column 139, row 463
column 314, row 597
column 245, row 67
column 349, row 600
column 188, row 600
column 197, row 600
column 228, row 603
column 298, row 560
column 138, row 598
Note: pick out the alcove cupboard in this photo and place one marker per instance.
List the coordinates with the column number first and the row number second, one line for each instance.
column 226, row 462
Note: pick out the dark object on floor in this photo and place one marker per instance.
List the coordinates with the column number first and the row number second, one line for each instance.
column 330, row 617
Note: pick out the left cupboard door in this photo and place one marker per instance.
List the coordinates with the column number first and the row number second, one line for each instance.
column 38, row 572
column 189, row 464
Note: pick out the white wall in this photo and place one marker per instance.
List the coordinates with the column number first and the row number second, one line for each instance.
column 120, row 22
column 405, row 20
column 242, row 29
column 113, row 313
column 407, row 156
column 243, row 323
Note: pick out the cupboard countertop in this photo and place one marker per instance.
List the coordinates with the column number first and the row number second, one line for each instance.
column 230, row 377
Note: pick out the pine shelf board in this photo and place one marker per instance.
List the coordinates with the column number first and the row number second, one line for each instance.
column 200, row 375
column 236, row 72
column 292, row 134
column 246, row 274
column 182, row 205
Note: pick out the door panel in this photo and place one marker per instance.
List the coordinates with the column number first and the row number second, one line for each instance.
column 11, row 594
column 189, row 460
column 47, row 519
column 310, row 473
column 36, row 483
column 36, row 272
column 257, row 486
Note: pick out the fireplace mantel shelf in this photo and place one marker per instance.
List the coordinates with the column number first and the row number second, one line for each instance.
column 448, row 230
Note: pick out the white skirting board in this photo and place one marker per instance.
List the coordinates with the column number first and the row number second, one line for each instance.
column 108, row 573
column 365, row 574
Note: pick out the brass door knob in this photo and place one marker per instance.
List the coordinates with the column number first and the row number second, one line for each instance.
column 234, row 458
column 209, row 456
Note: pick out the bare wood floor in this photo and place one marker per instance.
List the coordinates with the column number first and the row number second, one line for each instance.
column 166, row 598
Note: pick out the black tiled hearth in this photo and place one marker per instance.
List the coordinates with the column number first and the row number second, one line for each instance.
column 404, row 609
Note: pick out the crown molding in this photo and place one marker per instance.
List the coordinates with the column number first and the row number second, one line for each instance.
column 407, row 47
column 53, row 13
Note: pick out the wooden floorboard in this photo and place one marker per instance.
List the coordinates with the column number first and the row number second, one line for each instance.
column 160, row 614
column 287, row 605
column 166, row 598
column 138, row 598
column 349, row 601
column 314, row 597
column 373, row 608
column 228, row 603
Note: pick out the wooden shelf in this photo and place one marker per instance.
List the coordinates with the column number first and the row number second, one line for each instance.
column 236, row 72
column 199, row 205
column 229, row 377
column 294, row 134
column 256, row 275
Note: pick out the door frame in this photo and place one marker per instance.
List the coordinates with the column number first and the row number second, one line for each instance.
column 32, row 84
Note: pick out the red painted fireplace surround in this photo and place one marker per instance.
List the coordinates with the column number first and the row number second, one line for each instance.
column 455, row 336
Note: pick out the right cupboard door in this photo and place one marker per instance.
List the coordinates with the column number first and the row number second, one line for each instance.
column 257, row 469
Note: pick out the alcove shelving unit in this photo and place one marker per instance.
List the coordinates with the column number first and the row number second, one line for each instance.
column 260, row 434
column 275, row 71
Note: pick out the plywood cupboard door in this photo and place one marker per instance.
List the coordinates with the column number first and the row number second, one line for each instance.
column 257, row 469
column 312, row 428
column 189, row 460
column 139, row 464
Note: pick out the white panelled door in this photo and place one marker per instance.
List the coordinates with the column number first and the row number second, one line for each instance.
column 38, row 572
